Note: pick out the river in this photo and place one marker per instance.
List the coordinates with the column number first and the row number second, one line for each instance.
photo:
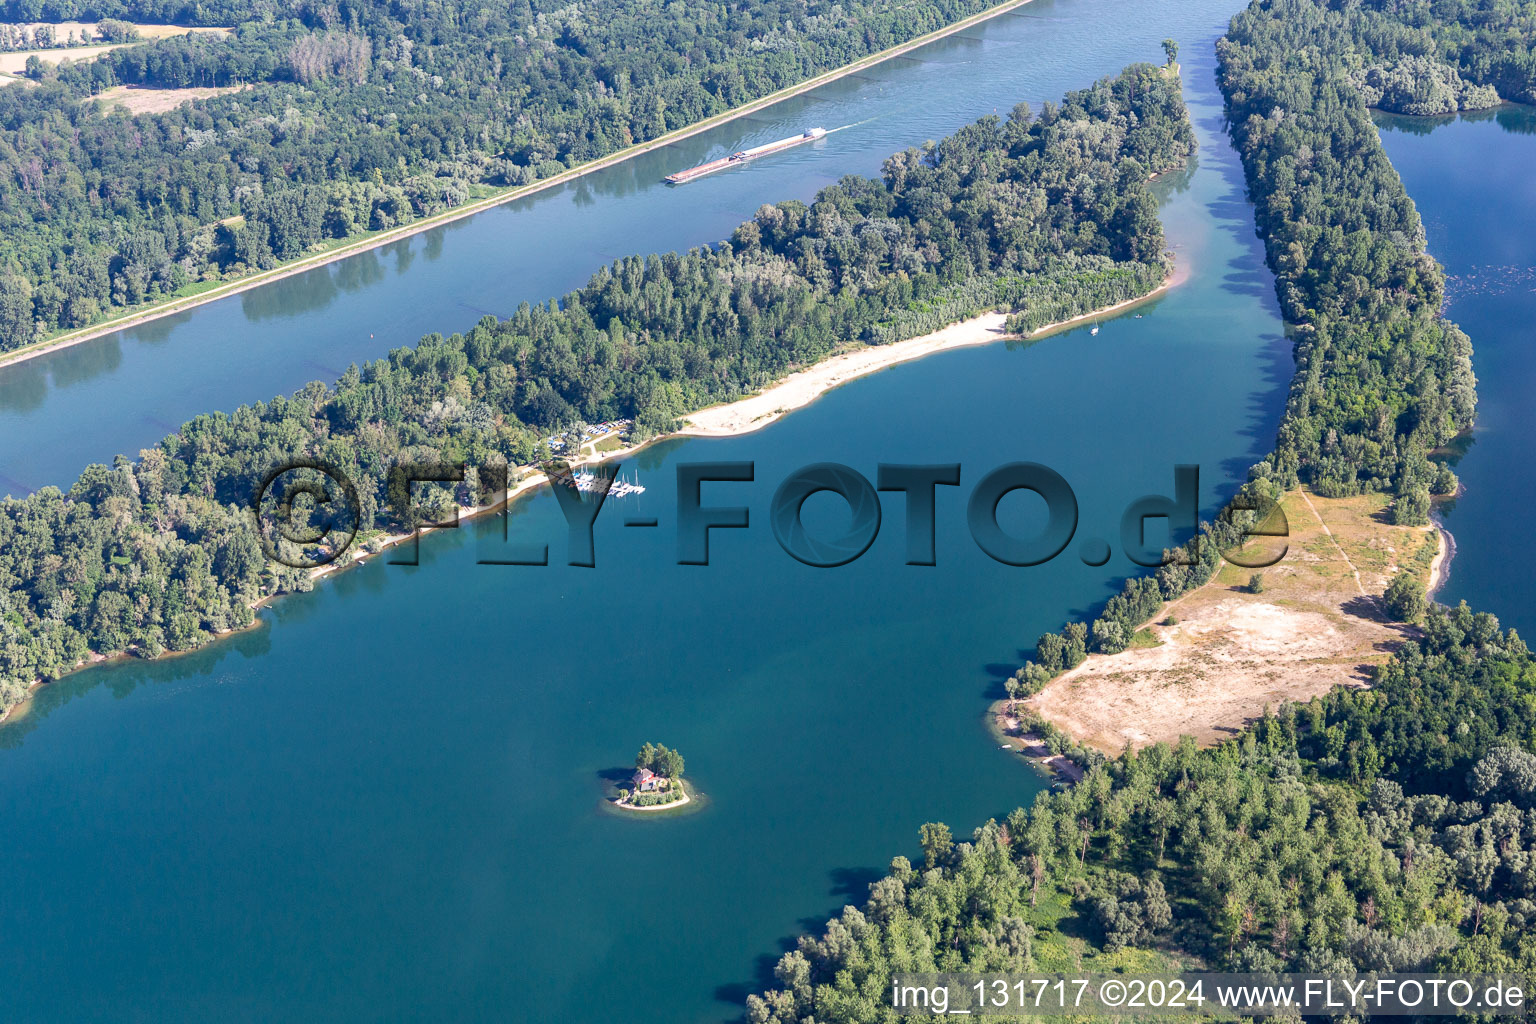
column 386, row 800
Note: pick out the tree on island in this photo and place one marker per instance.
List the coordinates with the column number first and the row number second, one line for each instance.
column 1171, row 48
column 663, row 761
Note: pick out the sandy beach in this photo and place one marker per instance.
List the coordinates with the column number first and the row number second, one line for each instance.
column 1440, row 567
column 803, row 387
column 1005, row 726
column 754, row 412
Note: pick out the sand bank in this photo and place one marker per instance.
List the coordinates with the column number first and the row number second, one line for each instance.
column 803, row 387
column 1440, row 567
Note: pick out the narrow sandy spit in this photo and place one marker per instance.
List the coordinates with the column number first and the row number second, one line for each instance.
column 803, row 387
column 1440, row 567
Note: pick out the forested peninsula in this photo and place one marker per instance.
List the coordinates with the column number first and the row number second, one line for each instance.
column 362, row 117
column 1381, row 829
column 1046, row 215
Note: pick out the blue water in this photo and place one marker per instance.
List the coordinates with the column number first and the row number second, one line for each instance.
column 1471, row 179
column 386, row 800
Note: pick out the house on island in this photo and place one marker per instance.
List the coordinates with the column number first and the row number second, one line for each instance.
column 645, row 780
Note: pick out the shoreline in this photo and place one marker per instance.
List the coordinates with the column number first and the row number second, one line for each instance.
column 672, row 806
column 1440, row 565
column 1057, row 767
column 305, row 263
column 809, row 384
column 1065, row 713
column 804, row 386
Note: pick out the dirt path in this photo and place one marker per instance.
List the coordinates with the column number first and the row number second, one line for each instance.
column 1218, row 655
column 1313, row 508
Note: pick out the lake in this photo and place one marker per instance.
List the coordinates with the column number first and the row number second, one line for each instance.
column 387, row 799
column 1470, row 177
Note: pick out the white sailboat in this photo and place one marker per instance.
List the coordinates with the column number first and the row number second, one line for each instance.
column 620, row 488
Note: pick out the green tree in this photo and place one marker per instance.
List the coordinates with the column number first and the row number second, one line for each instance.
column 1171, row 48
column 1404, row 599
column 15, row 311
column 669, row 763
column 1109, row 636
column 1411, row 507
column 937, row 843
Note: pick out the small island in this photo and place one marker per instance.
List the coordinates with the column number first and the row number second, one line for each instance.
column 657, row 783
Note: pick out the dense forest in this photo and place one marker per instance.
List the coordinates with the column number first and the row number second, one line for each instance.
column 158, row 12
column 364, row 115
column 1382, row 378
column 1047, row 215
column 1487, row 44
column 1389, row 828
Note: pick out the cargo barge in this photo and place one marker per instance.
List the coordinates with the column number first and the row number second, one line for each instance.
column 744, row 155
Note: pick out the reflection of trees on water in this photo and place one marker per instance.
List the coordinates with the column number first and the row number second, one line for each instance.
column 403, row 252
column 432, row 241
column 653, row 457
column 312, row 290
column 358, row 272
column 159, row 330
column 1176, row 182
column 24, row 386
column 1517, row 118
column 1512, row 117
column 124, row 676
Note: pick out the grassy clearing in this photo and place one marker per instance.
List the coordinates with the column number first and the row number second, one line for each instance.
column 138, row 99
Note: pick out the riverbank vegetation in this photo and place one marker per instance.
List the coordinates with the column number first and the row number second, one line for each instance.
column 363, row 118
column 1383, row 378
column 1382, row 828
column 162, row 554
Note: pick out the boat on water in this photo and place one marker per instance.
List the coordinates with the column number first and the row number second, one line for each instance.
column 742, row 156
column 1095, row 329
column 620, row 488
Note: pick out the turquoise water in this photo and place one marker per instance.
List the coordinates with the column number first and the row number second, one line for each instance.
column 386, row 800
column 1471, row 179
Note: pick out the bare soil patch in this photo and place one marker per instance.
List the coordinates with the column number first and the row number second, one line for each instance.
column 1222, row 654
